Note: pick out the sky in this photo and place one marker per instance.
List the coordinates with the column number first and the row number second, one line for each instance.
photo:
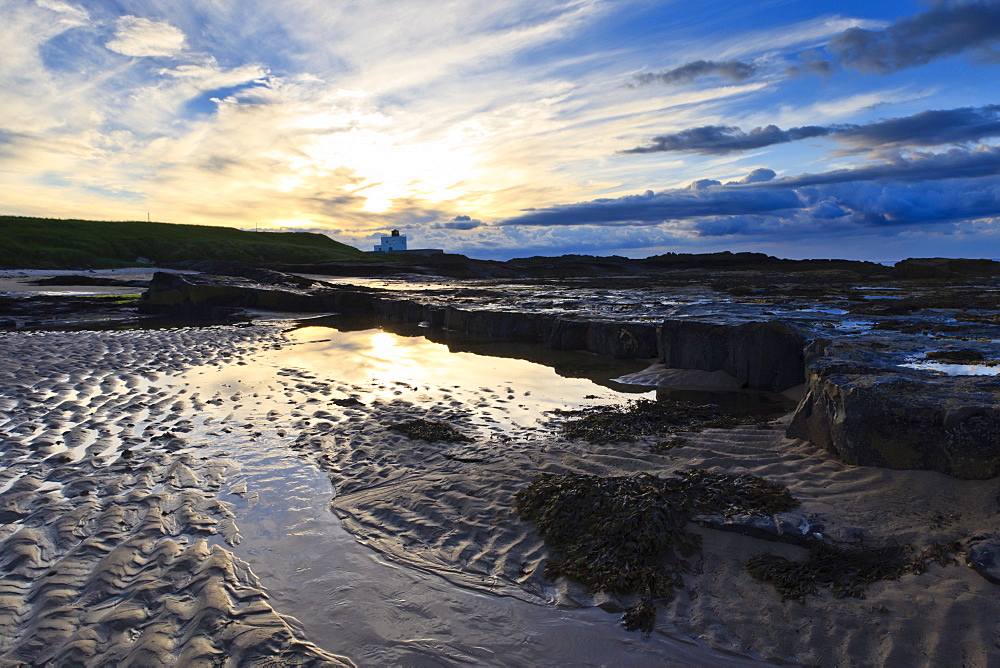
column 511, row 128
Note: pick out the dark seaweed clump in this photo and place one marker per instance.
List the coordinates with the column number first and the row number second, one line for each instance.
column 845, row 570
column 428, row 430
column 626, row 535
column 961, row 356
column 645, row 417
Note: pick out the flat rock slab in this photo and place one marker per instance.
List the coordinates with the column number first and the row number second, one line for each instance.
column 658, row 375
column 790, row 527
column 984, row 557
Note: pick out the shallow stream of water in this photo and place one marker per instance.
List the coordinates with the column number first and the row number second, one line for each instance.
column 350, row 599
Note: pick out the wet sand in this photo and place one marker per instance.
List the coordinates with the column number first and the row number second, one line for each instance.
column 166, row 498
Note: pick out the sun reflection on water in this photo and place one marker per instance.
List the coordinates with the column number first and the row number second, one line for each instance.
column 374, row 365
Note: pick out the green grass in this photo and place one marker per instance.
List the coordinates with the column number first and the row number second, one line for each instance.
column 48, row 243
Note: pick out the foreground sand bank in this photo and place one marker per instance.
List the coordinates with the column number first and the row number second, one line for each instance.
column 106, row 551
column 121, row 496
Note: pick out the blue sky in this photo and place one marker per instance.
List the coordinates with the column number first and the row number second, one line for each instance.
column 507, row 128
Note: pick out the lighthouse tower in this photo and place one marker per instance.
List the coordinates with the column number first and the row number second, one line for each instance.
column 393, row 242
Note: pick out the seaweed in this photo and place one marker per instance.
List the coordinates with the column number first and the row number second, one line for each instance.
column 642, row 616
column 845, row 570
column 428, row 430
column 624, row 535
column 645, row 417
column 659, row 447
column 729, row 494
column 960, row 356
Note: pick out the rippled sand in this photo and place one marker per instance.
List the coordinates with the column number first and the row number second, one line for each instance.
column 165, row 498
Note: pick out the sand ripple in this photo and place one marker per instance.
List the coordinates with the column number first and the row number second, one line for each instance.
column 447, row 508
column 109, row 537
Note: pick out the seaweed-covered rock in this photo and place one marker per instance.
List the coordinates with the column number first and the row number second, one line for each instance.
column 429, row 430
column 846, row 570
column 626, row 535
column 647, row 418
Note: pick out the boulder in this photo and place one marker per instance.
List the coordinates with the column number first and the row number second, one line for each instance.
column 513, row 325
column 984, row 556
column 619, row 340
column 760, row 355
column 872, row 414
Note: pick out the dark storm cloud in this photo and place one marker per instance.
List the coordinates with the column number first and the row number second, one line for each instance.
column 734, row 70
column 460, row 223
column 927, row 128
column 722, row 139
column 924, row 188
column 953, row 164
column 760, row 175
column 704, row 199
column 946, row 29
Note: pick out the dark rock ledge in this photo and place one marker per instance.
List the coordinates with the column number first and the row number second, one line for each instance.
column 859, row 403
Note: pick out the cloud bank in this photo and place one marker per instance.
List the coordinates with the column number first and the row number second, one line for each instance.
column 909, row 192
column 927, row 128
column 722, row 140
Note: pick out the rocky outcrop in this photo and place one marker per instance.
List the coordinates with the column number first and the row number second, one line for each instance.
column 859, row 403
column 200, row 295
column 611, row 339
column 944, row 267
column 760, row 355
column 516, row 325
column 872, row 414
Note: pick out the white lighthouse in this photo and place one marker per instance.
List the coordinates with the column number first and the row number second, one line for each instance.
column 391, row 243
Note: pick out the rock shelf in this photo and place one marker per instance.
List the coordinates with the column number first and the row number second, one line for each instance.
column 857, row 399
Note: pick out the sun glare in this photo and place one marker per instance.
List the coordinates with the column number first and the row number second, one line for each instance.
column 393, row 166
column 383, row 342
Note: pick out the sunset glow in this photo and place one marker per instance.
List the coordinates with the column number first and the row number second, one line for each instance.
column 512, row 128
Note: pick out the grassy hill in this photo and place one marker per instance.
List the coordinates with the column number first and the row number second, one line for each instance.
column 47, row 243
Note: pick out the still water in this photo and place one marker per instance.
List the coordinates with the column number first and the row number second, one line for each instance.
column 352, row 600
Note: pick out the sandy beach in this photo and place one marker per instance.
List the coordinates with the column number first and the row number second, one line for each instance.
column 179, row 497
